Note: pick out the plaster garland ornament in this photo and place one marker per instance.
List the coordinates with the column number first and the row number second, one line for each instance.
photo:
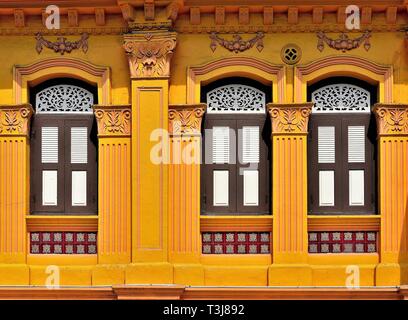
column 186, row 119
column 62, row 45
column 236, row 98
column 237, row 44
column 343, row 43
column 392, row 119
column 15, row 120
column 113, row 120
column 289, row 118
column 149, row 54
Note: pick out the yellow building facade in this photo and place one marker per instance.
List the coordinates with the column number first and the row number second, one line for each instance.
column 152, row 65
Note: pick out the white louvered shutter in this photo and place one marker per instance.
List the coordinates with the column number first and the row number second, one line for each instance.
column 326, row 154
column 356, row 154
column 49, row 144
column 221, row 145
column 250, row 154
column 250, row 144
column 326, row 144
column 79, row 145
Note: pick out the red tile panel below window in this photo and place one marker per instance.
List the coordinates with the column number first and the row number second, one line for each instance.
column 63, row 243
column 236, row 242
column 343, row 242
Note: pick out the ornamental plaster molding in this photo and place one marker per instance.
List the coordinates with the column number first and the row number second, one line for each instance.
column 289, row 118
column 186, row 119
column 149, row 53
column 113, row 120
column 15, row 120
column 343, row 42
column 237, row 44
column 392, row 119
column 62, row 45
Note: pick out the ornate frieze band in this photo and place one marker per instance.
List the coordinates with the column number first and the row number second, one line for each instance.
column 149, row 53
column 186, row 119
column 113, row 120
column 392, row 119
column 15, row 120
column 343, row 42
column 62, row 45
column 289, row 118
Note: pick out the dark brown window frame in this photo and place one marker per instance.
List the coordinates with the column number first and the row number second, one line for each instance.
column 64, row 122
column 235, row 122
column 64, row 165
column 341, row 121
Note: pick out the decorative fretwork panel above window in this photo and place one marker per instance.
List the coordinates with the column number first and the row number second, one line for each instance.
column 236, row 98
column 341, row 98
column 64, row 98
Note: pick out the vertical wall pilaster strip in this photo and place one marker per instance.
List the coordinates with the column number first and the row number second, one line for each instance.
column 289, row 136
column 14, row 181
column 184, row 183
column 392, row 128
column 149, row 55
column 114, row 230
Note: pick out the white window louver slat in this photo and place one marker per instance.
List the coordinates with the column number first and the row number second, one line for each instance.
column 356, row 144
column 326, row 144
column 250, row 144
column 49, row 144
column 79, row 145
column 221, row 145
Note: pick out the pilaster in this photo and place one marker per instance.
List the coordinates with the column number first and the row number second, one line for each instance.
column 14, row 181
column 289, row 175
column 149, row 54
column 392, row 129
column 114, row 188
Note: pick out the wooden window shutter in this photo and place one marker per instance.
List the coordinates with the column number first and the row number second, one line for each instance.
column 81, row 168
column 47, row 165
column 324, row 164
column 358, row 164
column 63, row 165
column 219, row 169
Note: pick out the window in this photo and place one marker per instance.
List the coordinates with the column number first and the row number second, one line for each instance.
column 341, row 158
column 63, row 148
column 236, row 142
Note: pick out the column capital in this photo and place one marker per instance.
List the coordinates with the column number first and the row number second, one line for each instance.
column 113, row 120
column 392, row 119
column 290, row 118
column 15, row 119
column 186, row 119
column 149, row 53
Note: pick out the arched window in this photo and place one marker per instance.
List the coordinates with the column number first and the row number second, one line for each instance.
column 63, row 148
column 342, row 148
column 236, row 142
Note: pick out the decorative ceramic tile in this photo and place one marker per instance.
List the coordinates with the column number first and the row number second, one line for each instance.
column 63, row 243
column 342, row 242
column 236, row 243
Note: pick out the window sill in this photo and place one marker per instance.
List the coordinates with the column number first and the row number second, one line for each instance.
column 344, row 223
column 236, row 223
column 61, row 223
